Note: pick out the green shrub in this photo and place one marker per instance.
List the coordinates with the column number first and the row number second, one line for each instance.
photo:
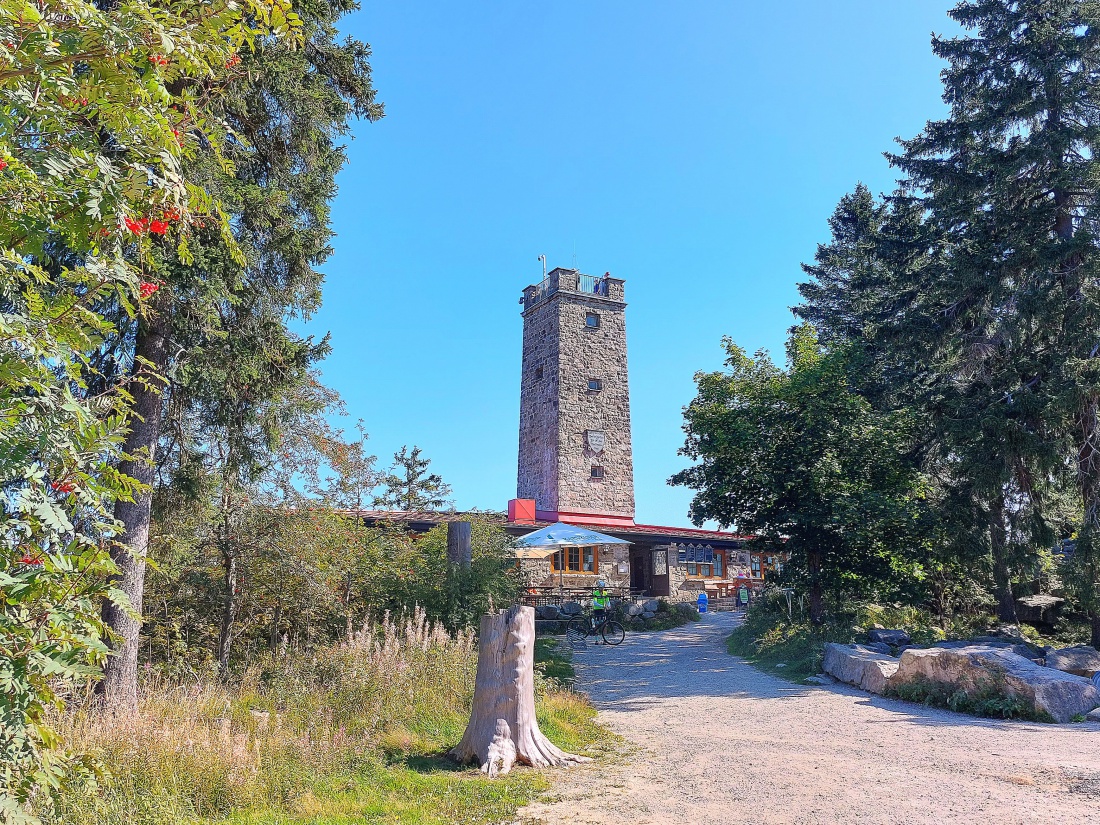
column 988, row 699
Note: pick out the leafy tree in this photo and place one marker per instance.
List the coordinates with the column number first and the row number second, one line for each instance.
column 227, row 314
column 409, row 486
column 799, row 459
column 100, row 105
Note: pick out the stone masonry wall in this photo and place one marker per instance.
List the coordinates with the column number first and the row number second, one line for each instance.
column 558, row 409
column 594, row 353
column 538, row 408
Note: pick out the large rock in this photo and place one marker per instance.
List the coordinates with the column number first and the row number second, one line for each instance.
column 548, row 611
column 890, row 637
column 1024, row 649
column 859, row 666
column 634, row 609
column 1082, row 660
column 978, row 668
column 572, row 609
column 651, row 605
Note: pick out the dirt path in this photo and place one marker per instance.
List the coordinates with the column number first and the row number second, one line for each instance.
column 722, row 743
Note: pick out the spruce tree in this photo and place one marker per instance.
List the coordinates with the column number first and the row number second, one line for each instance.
column 410, row 487
column 1009, row 311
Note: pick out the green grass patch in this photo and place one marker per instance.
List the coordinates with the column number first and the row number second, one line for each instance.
column 988, row 700
column 357, row 733
column 554, row 660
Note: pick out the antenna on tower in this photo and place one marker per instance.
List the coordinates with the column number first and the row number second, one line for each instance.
column 543, row 259
column 574, row 254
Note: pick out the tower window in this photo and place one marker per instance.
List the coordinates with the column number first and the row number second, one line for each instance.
column 595, row 384
column 591, row 320
column 597, row 472
column 538, row 372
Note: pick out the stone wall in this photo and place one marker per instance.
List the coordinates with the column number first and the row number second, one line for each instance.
column 558, row 409
column 586, row 353
column 613, row 568
column 538, row 407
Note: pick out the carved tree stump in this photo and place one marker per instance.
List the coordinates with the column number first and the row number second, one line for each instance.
column 503, row 729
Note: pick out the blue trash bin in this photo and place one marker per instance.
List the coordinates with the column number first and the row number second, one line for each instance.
column 702, row 603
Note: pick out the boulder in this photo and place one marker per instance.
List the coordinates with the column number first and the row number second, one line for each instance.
column 648, row 614
column 634, row 609
column 651, row 605
column 1020, row 648
column 878, row 647
column 981, row 667
column 859, row 666
column 685, row 608
column 1093, row 716
column 890, row 637
column 571, row 609
column 548, row 611
column 1081, row 660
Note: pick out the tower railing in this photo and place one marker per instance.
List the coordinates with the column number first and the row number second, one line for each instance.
column 565, row 280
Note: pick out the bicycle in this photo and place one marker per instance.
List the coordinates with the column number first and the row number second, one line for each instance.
column 579, row 629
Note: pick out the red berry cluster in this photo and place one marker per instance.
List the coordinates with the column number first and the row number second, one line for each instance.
column 31, row 561
column 147, row 288
column 3, row 165
column 234, row 60
column 158, row 60
column 154, row 226
column 63, row 486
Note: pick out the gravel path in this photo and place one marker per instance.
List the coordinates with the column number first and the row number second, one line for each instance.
column 720, row 743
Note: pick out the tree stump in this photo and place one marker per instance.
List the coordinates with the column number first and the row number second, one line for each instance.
column 503, row 729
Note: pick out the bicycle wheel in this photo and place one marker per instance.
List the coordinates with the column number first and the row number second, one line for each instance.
column 613, row 633
column 576, row 632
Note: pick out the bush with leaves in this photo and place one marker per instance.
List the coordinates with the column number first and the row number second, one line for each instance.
column 101, row 101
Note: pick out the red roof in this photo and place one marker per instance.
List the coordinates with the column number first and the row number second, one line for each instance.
column 442, row 517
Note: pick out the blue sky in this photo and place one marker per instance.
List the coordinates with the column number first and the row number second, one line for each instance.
column 694, row 149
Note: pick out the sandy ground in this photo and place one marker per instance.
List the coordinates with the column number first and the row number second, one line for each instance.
column 720, row 742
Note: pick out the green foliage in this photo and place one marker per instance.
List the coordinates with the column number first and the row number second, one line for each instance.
column 988, row 700
column 803, row 461
column 788, row 648
column 101, row 106
column 409, row 486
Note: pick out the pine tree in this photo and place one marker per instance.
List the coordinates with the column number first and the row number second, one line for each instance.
column 408, row 486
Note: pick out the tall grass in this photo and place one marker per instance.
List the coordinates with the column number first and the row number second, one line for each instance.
column 293, row 727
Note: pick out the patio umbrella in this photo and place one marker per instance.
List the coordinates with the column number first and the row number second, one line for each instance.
column 560, row 535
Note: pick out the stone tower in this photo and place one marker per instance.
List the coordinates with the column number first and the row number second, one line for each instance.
column 574, row 420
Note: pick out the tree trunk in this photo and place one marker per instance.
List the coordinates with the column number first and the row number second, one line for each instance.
column 117, row 690
column 1002, row 574
column 503, row 729
column 229, row 610
column 273, row 641
column 459, row 553
column 817, row 593
column 1088, row 480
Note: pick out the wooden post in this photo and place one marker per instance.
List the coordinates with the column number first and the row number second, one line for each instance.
column 503, row 729
column 459, row 553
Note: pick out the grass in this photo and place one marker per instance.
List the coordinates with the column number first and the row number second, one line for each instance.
column 987, row 700
column 353, row 733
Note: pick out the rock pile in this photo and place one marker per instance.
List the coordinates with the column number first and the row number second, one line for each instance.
column 1053, row 682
